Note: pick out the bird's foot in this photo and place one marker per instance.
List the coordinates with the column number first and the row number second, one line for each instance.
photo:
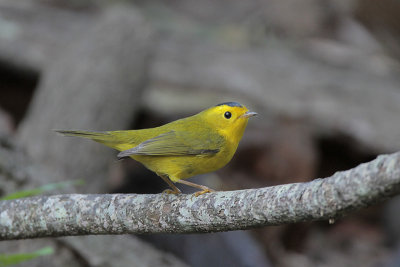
column 205, row 190
column 169, row 191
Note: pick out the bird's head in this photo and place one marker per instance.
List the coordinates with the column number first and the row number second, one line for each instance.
column 229, row 119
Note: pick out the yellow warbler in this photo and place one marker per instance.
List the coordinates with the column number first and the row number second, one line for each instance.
column 199, row 144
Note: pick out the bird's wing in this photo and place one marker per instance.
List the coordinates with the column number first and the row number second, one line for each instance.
column 174, row 143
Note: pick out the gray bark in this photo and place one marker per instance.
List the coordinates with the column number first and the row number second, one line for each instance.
column 17, row 172
column 321, row 199
column 93, row 76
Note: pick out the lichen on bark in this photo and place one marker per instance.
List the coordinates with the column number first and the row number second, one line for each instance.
column 320, row 199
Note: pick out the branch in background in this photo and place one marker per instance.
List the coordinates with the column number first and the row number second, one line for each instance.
column 321, row 199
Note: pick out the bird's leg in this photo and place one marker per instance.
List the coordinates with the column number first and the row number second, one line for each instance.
column 204, row 188
column 175, row 190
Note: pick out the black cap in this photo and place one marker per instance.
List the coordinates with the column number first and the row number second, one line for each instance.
column 231, row 104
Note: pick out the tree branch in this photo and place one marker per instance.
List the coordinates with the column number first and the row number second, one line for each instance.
column 321, row 199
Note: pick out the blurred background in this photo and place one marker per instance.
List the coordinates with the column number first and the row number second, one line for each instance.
column 322, row 75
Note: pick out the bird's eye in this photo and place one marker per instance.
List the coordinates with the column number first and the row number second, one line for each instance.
column 228, row 115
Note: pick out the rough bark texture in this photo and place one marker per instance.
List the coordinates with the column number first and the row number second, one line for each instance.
column 17, row 172
column 321, row 199
column 94, row 69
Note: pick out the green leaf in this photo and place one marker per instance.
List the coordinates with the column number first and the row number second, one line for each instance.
column 11, row 259
column 41, row 190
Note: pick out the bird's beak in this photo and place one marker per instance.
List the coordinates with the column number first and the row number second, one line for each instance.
column 248, row 114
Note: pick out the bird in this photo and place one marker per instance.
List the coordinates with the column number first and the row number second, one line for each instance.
column 202, row 143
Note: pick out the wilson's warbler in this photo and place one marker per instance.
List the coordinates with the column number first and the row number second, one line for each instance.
column 183, row 148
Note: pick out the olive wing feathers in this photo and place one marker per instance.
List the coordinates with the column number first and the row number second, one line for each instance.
column 174, row 143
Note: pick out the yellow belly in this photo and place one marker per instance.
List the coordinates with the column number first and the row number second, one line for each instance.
column 182, row 167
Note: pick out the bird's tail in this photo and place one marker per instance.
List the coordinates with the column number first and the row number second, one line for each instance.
column 105, row 138
column 115, row 139
column 85, row 134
